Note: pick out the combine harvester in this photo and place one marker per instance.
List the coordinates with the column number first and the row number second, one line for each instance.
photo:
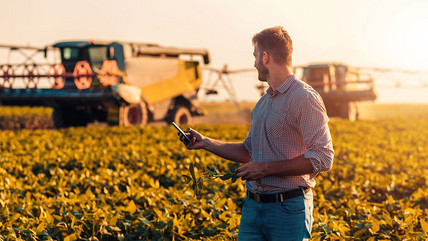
column 121, row 83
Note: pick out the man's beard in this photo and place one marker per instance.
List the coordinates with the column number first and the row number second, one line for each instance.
column 263, row 72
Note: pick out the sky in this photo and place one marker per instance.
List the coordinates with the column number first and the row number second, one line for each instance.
column 383, row 33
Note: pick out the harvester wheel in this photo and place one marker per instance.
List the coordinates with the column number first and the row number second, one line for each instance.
column 349, row 111
column 134, row 115
column 181, row 115
column 67, row 117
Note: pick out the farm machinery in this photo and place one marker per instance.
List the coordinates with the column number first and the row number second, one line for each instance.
column 121, row 83
column 340, row 86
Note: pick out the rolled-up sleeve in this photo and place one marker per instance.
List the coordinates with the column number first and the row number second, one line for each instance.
column 247, row 143
column 313, row 123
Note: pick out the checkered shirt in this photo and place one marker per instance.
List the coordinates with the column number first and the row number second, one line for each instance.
column 286, row 123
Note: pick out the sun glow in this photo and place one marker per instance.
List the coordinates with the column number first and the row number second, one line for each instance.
column 407, row 36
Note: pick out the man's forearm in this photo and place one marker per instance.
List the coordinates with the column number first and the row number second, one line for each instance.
column 292, row 167
column 232, row 151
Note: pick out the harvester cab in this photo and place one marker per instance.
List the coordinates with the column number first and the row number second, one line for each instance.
column 82, row 58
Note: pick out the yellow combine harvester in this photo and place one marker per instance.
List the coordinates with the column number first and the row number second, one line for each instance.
column 119, row 82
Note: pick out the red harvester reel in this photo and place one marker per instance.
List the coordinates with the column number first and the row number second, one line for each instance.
column 6, row 73
column 82, row 75
column 56, row 75
column 56, row 71
column 109, row 67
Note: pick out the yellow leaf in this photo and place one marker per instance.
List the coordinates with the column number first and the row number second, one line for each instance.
column 375, row 226
column 71, row 237
column 49, row 218
column 158, row 212
column 6, row 211
column 131, row 207
column 89, row 194
column 424, row 225
column 113, row 221
column 15, row 217
column 40, row 228
column 360, row 232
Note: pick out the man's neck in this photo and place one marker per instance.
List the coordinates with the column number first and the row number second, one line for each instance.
column 277, row 76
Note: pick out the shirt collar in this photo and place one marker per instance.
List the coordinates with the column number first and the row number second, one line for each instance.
column 282, row 88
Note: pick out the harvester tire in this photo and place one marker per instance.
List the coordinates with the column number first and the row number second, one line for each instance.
column 58, row 118
column 134, row 115
column 181, row 115
column 349, row 111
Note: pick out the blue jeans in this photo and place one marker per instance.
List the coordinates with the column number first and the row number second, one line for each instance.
column 288, row 220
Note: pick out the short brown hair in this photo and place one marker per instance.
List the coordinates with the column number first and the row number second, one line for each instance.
column 276, row 42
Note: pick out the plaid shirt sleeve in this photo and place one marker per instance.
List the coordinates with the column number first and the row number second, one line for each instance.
column 313, row 127
column 247, row 141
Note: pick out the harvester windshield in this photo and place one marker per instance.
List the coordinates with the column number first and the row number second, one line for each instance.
column 94, row 54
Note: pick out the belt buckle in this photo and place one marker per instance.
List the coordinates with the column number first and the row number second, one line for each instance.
column 257, row 197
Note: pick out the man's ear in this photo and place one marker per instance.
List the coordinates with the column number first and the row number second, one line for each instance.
column 266, row 58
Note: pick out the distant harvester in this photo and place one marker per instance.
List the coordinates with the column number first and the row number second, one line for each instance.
column 340, row 86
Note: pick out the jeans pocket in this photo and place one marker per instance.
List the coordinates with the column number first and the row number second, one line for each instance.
column 293, row 205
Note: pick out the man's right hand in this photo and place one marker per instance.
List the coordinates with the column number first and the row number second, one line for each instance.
column 195, row 137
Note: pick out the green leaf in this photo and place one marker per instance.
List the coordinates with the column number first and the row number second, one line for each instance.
column 192, row 171
column 212, row 172
column 226, row 176
column 234, row 178
column 146, row 222
column 195, row 187
column 160, row 225
column 186, row 178
column 200, row 183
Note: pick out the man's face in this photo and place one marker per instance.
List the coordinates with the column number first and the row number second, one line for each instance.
column 258, row 63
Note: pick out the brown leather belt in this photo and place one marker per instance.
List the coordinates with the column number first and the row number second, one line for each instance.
column 277, row 197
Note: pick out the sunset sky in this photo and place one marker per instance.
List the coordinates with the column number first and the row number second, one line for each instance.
column 381, row 33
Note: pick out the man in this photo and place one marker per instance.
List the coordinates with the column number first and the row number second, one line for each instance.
column 288, row 144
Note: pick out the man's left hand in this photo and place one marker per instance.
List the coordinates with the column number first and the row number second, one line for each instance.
column 252, row 171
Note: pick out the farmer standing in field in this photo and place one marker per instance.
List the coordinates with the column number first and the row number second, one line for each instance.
column 288, row 144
